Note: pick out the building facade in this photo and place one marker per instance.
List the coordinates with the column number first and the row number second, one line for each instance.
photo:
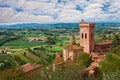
column 71, row 51
column 87, row 36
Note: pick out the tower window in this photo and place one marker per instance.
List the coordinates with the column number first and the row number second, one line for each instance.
column 85, row 35
column 91, row 35
column 82, row 35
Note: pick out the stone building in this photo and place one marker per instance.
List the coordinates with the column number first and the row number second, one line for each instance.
column 29, row 69
column 103, row 47
column 95, row 50
column 71, row 51
column 87, row 36
column 87, row 44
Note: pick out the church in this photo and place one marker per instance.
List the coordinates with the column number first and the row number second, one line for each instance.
column 87, row 44
column 70, row 52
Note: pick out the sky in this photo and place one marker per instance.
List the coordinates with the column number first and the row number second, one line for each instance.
column 50, row 11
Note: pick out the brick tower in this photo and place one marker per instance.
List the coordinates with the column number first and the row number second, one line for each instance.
column 87, row 36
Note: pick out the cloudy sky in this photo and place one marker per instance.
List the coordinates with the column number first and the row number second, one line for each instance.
column 44, row 11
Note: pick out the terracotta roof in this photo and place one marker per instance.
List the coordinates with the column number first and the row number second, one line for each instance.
column 73, row 47
column 93, row 54
column 91, row 72
column 104, row 43
column 94, row 64
column 28, row 67
column 89, row 68
column 101, row 57
column 99, row 60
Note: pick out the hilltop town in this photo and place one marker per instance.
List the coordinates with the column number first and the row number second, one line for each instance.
column 95, row 50
column 59, row 39
column 85, row 51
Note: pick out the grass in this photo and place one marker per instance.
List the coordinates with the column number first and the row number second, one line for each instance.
column 22, row 44
column 33, row 57
column 7, row 57
column 21, row 57
column 29, row 57
column 55, row 48
column 15, row 50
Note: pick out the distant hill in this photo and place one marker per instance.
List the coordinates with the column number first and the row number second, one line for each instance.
column 38, row 25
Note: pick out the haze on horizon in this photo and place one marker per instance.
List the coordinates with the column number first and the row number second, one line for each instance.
column 50, row 11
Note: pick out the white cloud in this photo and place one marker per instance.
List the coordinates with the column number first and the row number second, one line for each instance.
column 52, row 11
column 6, row 14
column 69, row 16
column 115, row 7
column 93, row 6
column 70, row 6
column 26, row 17
column 93, row 10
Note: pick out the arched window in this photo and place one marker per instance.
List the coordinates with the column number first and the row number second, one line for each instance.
column 91, row 35
column 82, row 35
column 85, row 35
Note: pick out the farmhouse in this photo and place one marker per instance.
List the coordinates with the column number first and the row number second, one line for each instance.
column 29, row 69
column 37, row 39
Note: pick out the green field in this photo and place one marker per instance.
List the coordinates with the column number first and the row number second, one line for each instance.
column 16, row 44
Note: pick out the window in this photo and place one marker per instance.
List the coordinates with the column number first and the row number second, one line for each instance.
column 91, row 35
column 68, row 58
column 75, row 58
column 61, row 55
column 82, row 35
column 85, row 35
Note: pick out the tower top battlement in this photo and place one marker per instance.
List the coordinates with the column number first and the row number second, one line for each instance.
column 82, row 23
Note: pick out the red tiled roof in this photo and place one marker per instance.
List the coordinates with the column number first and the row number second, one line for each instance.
column 94, row 64
column 93, row 54
column 101, row 57
column 28, row 67
column 99, row 60
column 104, row 43
column 89, row 68
column 72, row 47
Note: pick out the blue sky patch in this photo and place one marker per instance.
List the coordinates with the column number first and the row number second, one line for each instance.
column 106, row 6
column 19, row 9
column 5, row 5
column 79, row 8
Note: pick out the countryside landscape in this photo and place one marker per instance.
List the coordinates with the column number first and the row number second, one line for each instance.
column 18, row 48
column 59, row 40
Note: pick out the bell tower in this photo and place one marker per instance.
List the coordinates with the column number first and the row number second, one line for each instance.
column 87, row 36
